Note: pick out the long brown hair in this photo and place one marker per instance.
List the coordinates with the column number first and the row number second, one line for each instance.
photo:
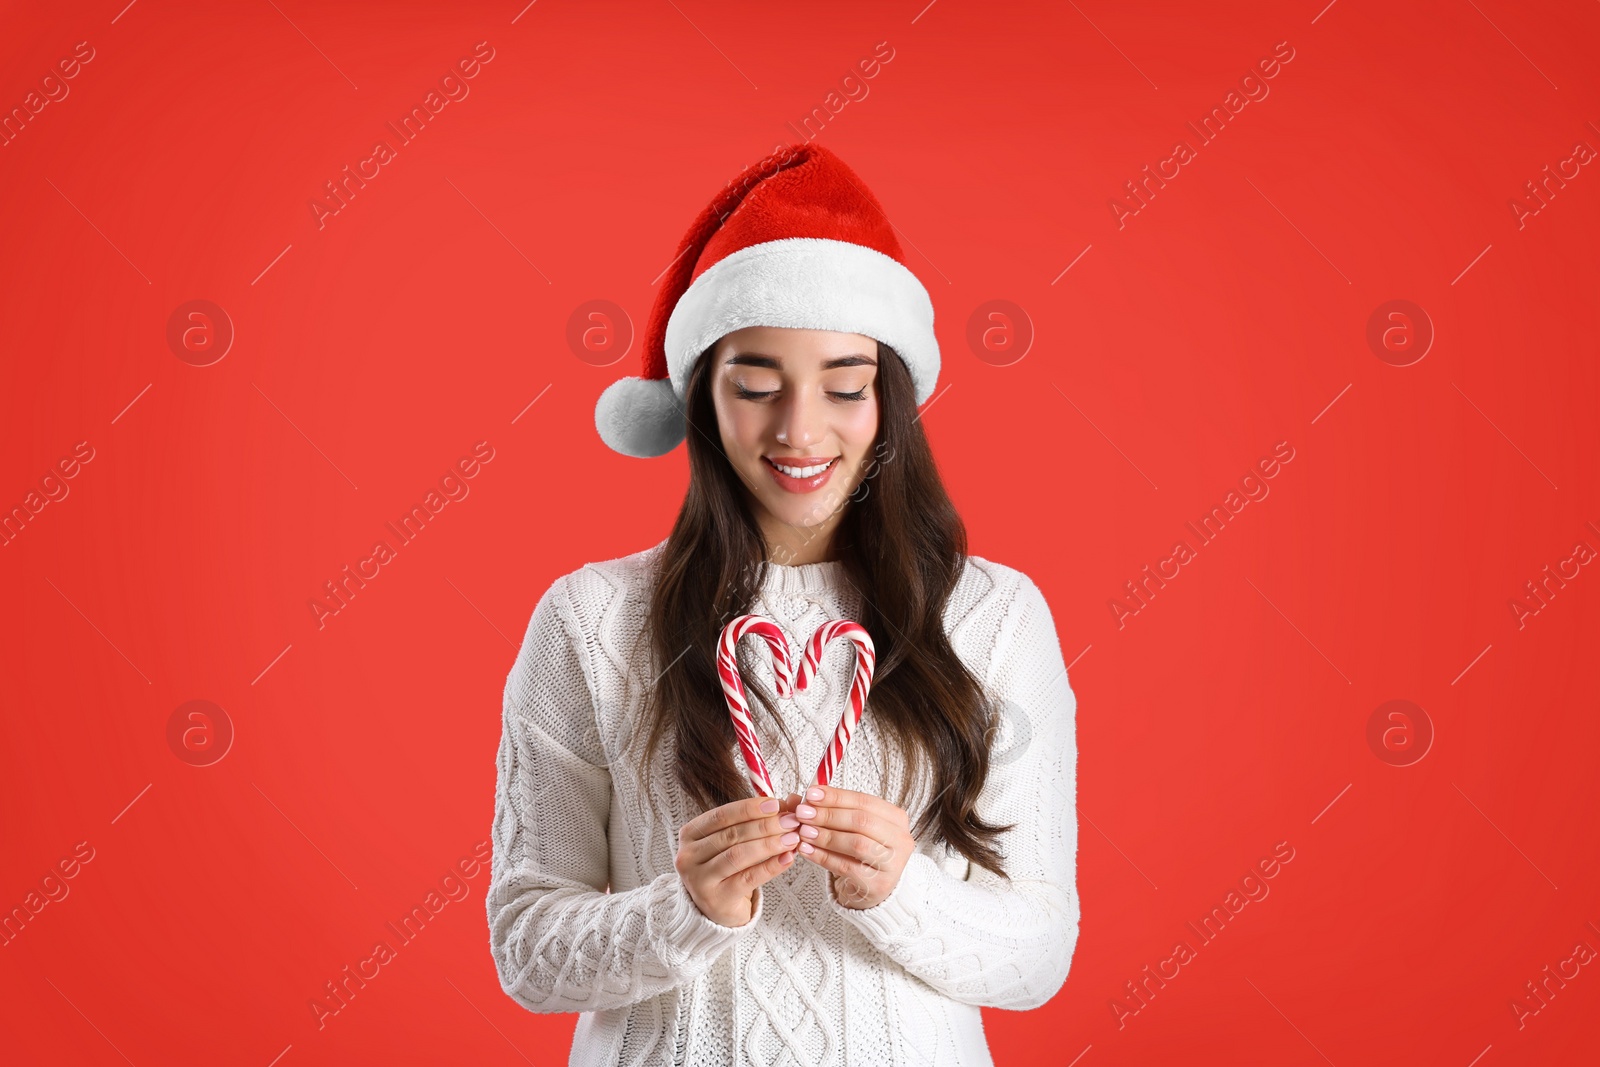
column 902, row 545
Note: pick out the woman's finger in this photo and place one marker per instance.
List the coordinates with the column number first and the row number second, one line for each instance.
column 768, row 826
column 720, row 818
column 735, row 859
column 852, row 879
column 834, row 797
column 703, row 848
column 764, row 870
column 865, row 850
column 856, row 820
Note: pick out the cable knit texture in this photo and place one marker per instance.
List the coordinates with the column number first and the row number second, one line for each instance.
column 588, row 914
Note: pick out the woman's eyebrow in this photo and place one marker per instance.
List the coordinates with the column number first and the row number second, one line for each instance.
column 755, row 359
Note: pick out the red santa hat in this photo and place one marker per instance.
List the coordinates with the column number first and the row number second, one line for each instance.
column 796, row 241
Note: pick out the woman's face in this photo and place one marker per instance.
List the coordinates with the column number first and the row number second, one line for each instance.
column 798, row 414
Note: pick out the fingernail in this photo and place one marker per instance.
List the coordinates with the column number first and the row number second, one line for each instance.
column 806, row 811
column 788, row 821
column 805, row 846
column 769, row 806
column 808, row 831
column 814, row 793
column 788, row 839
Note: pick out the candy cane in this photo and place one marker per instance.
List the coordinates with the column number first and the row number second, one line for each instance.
column 733, row 688
column 739, row 707
column 860, row 683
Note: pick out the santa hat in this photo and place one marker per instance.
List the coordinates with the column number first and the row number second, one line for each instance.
column 800, row 243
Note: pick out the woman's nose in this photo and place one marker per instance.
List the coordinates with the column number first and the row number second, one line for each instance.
column 798, row 421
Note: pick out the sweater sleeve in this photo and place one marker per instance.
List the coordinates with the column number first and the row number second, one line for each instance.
column 561, row 941
column 982, row 940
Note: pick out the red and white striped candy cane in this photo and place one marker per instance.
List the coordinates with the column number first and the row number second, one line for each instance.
column 866, row 659
column 733, row 688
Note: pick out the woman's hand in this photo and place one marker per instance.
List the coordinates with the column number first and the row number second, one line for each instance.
column 727, row 853
column 864, row 840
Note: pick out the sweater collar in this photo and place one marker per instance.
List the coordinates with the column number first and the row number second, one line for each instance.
column 789, row 580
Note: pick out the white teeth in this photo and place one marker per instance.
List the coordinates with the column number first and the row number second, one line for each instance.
column 803, row 472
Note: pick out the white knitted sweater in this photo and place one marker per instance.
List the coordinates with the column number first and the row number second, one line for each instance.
column 587, row 912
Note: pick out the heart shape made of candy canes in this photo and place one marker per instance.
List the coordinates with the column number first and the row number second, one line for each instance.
column 789, row 680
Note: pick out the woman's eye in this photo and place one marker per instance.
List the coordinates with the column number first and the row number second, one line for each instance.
column 859, row 394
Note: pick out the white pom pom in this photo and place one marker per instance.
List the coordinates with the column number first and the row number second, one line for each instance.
column 640, row 417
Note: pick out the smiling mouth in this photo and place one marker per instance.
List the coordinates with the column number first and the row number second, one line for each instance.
column 802, row 474
column 803, row 467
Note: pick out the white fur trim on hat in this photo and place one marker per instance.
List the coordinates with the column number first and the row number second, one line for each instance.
column 640, row 417
column 811, row 283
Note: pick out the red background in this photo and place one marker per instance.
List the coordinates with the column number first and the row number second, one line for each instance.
column 371, row 353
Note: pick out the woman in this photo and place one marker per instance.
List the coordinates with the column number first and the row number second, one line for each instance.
column 637, row 878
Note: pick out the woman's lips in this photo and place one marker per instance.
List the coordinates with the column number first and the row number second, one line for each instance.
column 801, row 485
